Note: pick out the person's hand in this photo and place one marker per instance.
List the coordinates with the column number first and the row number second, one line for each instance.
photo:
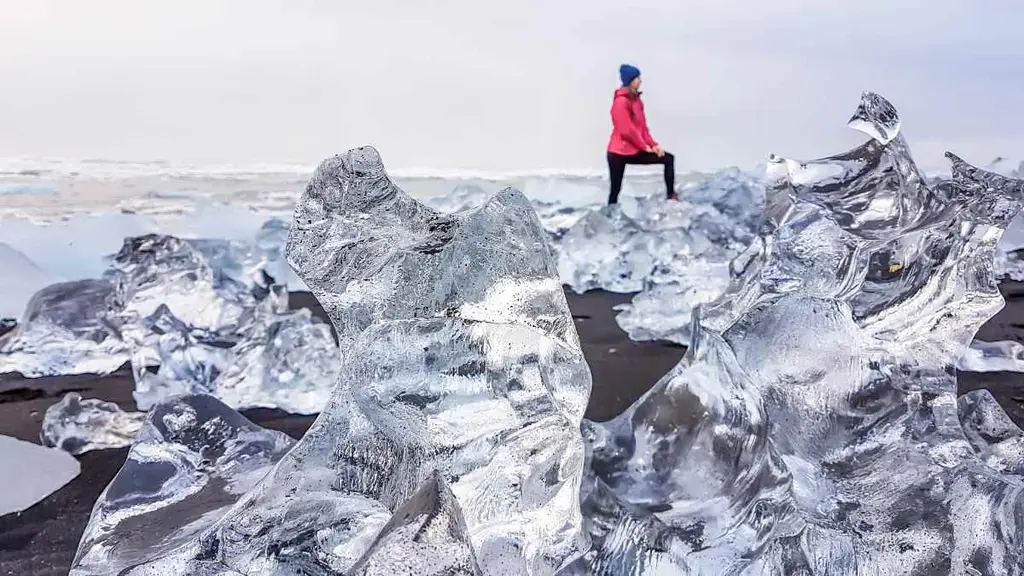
column 650, row 150
column 658, row 150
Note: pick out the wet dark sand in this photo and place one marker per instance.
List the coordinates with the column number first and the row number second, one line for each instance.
column 42, row 540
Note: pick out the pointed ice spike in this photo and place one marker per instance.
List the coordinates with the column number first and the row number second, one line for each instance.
column 876, row 117
column 973, row 179
column 426, row 536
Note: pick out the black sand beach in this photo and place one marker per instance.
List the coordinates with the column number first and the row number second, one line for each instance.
column 42, row 540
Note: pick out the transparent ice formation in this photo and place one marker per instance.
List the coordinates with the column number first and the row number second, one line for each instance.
column 193, row 459
column 78, row 426
column 997, row 440
column 675, row 254
column 663, row 310
column 33, row 472
column 426, row 536
column 66, row 328
column 191, row 316
column 1003, row 356
column 203, row 318
column 557, row 209
column 451, row 443
column 813, row 427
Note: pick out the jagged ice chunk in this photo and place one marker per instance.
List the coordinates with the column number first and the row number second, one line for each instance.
column 78, row 425
column 460, row 367
column 193, row 458
column 813, row 426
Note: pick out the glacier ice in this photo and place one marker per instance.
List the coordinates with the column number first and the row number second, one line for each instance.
column 192, row 460
column 425, row 536
column 610, row 250
column 1003, row 356
column 662, row 311
column 40, row 472
column 204, row 316
column 67, row 328
column 558, row 210
column 675, row 254
column 191, row 316
column 461, row 390
column 997, row 440
column 813, row 427
column 78, row 425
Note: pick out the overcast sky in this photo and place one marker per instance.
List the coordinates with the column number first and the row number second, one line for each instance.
column 500, row 85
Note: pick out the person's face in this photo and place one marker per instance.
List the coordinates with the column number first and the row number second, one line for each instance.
column 635, row 84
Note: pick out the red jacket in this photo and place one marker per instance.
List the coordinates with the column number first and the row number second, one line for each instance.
column 630, row 134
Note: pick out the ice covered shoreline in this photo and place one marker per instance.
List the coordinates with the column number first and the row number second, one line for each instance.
column 459, row 396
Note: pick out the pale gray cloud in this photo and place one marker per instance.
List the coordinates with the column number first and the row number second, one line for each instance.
column 499, row 85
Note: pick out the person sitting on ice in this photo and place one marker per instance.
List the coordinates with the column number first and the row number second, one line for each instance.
column 631, row 141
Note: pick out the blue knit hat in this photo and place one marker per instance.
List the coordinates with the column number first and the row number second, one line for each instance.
column 628, row 73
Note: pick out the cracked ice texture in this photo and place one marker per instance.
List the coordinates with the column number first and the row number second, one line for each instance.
column 462, row 380
column 813, row 427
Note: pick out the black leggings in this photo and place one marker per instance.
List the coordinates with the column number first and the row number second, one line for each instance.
column 617, row 169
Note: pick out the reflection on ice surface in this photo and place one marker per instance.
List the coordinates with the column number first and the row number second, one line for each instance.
column 34, row 472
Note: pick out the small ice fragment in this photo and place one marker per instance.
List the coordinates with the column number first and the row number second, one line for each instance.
column 876, row 117
column 78, row 426
column 1002, row 356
